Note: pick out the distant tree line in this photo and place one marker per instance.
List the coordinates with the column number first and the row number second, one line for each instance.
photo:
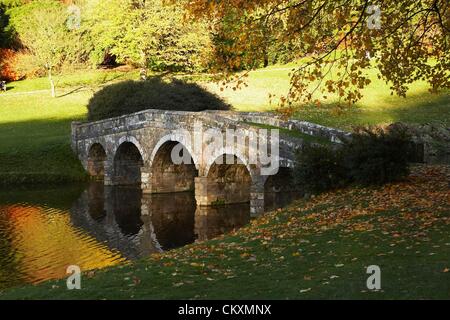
column 50, row 35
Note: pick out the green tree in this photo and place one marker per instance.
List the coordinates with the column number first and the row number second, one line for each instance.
column 6, row 33
column 147, row 34
column 42, row 30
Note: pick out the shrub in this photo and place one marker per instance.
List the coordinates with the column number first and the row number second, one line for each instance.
column 133, row 96
column 319, row 168
column 372, row 156
column 375, row 156
column 7, row 70
column 25, row 66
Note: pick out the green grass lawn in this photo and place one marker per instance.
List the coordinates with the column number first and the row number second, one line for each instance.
column 317, row 248
column 85, row 78
column 35, row 128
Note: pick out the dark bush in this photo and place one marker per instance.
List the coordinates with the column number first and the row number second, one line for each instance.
column 375, row 156
column 372, row 156
column 133, row 96
column 319, row 168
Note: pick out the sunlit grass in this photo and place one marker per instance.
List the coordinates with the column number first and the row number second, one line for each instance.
column 35, row 128
column 378, row 106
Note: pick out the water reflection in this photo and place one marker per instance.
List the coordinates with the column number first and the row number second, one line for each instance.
column 38, row 243
column 211, row 222
column 170, row 219
column 138, row 225
column 45, row 231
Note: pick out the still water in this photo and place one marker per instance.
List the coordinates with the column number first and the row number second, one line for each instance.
column 44, row 231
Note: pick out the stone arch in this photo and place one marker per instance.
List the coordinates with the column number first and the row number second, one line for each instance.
column 168, row 175
column 228, row 180
column 230, row 152
column 178, row 138
column 128, row 162
column 132, row 140
column 96, row 161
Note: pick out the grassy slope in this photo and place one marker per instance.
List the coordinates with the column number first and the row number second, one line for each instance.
column 35, row 129
column 314, row 249
column 377, row 106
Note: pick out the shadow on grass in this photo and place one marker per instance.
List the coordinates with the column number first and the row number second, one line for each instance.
column 38, row 152
column 416, row 108
column 422, row 108
column 71, row 92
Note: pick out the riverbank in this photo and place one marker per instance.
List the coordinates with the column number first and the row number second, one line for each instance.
column 317, row 248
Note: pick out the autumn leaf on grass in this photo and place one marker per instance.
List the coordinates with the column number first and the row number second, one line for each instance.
column 136, row 281
column 198, row 265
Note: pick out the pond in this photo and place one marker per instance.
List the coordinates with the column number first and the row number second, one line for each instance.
column 43, row 231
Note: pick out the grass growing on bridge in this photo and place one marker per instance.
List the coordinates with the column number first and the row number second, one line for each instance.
column 293, row 133
column 318, row 248
column 35, row 129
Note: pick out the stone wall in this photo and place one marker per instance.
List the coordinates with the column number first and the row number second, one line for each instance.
column 430, row 142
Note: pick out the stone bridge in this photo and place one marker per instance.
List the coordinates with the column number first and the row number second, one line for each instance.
column 138, row 149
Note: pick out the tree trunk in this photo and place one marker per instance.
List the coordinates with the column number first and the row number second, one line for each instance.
column 266, row 56
column 52, row 83
column 266, row 60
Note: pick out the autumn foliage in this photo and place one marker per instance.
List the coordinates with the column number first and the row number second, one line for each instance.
column 338, row 42
column 7, row 60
